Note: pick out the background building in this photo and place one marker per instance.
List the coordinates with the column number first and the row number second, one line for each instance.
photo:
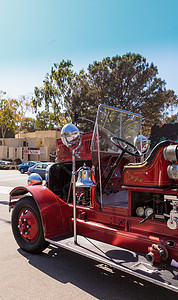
column 38, row 145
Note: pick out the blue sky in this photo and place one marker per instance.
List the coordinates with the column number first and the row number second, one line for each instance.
column 35, row 34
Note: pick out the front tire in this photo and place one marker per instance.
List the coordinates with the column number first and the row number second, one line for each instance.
column 22, row 171
column 27, row 226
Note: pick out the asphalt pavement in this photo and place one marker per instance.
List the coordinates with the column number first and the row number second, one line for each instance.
column 58, row 273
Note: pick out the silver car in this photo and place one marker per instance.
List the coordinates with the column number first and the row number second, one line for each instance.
column 39, row 168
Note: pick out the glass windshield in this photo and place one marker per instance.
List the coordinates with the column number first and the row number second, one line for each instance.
column 113, row 122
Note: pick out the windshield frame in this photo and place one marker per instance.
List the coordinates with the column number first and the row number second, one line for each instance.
column 96, row 141
column 96, row 127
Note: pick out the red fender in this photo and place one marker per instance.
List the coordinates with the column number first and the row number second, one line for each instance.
column 55, row 213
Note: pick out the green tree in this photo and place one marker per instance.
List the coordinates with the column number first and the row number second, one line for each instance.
column 20, row 108
column 170, row 113
column 46, row 120
column 51, row 96
column 63, row 93
column 7, row 121
column 42, row 121
column 127, row 82
column 28, row 124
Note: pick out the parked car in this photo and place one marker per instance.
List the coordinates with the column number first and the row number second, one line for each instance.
column 26, row 165
column 47, row 173
column 39, row 168
column 7, row 162
column 4, row 162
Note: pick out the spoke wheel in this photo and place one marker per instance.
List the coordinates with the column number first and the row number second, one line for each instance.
column 27, row 226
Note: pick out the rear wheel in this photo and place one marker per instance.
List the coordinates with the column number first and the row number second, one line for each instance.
column 27, row 226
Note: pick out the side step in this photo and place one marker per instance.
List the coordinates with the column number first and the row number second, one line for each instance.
column 124, row 260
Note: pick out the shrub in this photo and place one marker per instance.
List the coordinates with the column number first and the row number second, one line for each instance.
column 8, row 167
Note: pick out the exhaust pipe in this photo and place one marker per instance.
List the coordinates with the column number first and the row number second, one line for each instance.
column 150, row 257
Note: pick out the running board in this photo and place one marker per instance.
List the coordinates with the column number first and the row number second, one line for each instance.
column 122, row 259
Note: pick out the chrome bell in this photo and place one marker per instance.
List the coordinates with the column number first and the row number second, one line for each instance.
column 84, row 177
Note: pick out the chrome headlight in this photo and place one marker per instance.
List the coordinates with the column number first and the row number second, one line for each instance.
column 171, row 153
column 142, row 144
column 34, row 178
column 70, row 135
column 172, row 171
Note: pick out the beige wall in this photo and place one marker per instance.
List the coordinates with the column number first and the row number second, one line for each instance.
column 41, row 134
column 11, row 142
column 3, row 152
column 41, row 140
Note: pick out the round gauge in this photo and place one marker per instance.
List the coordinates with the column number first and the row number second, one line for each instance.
column 148, row 211
column 172, row 224
column 140, row 211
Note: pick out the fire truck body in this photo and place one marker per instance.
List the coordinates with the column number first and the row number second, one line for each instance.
column 123, row 199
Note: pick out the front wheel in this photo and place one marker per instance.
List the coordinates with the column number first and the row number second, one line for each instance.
column 27, row 226
column 21, row 171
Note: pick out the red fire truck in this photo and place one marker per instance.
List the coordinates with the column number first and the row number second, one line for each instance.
column 109, row 197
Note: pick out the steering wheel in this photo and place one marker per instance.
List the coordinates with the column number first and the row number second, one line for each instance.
column 125, row 146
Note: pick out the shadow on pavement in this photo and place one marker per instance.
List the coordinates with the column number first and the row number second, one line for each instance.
column 4, row 202
column 5, row 221
column 92, row 277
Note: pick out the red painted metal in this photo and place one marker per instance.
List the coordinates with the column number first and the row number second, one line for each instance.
column 54, row 212
column 64, row 154
column 131, row 240
column 28, row 225
column 114, row 224
column 157, row 253
column 153, row 175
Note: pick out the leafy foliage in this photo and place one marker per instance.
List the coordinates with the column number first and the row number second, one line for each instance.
column 12, row 115
column 21, row 107
column 28, row 125
column 7, row 121
column 127, row 82
column 51, row 95
column 46, row 120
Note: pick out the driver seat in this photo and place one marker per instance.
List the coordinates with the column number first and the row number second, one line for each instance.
column 150, row 173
